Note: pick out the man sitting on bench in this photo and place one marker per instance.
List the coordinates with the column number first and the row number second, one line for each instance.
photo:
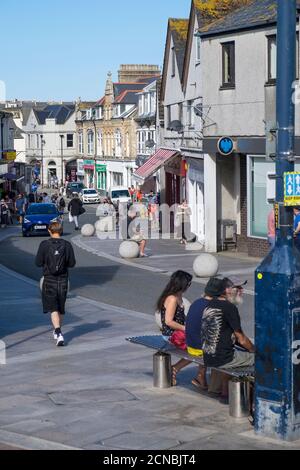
column 221, row 331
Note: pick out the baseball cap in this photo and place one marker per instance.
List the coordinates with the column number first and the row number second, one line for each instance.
column 215, row 287
column 235, row 282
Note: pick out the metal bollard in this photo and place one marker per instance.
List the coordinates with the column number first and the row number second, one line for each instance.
column 162, row 370
column 239, row 394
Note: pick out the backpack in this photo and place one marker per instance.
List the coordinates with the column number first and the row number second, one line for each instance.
column 56, row 257
column 62, row 202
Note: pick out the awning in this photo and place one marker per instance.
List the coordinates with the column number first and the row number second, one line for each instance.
column 157, row 161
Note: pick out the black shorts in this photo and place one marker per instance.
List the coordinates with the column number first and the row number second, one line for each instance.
column 54, row 295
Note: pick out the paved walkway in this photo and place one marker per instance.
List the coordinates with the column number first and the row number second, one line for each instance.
column 97, row 392
column 166, row 256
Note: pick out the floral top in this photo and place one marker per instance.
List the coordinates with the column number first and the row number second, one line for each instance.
column 179, row 317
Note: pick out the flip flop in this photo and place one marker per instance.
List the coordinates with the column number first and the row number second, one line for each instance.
column 198, row 385
column 174, row 375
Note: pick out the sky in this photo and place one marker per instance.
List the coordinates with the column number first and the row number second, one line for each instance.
column 63, row 49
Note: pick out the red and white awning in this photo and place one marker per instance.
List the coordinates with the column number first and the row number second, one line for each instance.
column 155, row 163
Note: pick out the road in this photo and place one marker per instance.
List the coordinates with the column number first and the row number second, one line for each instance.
column 101, row 279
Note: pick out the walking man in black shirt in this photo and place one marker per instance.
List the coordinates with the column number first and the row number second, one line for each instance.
column 55, row 256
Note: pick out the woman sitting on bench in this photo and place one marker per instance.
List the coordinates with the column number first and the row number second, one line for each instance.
column 171, row 307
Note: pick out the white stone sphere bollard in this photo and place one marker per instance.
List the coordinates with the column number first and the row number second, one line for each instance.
column 129, row 250
column 206, row 265
column 88, row 230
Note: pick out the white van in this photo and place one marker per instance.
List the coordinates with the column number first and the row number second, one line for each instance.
column 119, row 193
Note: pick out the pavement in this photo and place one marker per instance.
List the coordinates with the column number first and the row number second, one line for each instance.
column 167, row 256
column 97, row 393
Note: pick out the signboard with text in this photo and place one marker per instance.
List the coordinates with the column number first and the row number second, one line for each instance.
column 292, row 189
column 9, row 156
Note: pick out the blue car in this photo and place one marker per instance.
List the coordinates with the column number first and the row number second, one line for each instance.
column 38, row 217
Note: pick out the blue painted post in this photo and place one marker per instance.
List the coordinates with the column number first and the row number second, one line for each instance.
column 277, row 304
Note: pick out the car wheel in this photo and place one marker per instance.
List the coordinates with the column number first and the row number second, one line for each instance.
column 25, row 234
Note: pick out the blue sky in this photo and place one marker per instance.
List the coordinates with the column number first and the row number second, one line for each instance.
column 63, row 49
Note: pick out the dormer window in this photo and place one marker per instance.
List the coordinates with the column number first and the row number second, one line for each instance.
column 173, row 62
column 198, row 49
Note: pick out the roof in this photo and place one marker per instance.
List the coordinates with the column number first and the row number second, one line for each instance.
column 61, row 113
column 128, row 97
column 254, row 13
column 179, row 32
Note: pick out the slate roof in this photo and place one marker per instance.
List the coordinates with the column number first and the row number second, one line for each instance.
column 128, row 97
column 61, row 113
column 258, row 13
column 179, row 31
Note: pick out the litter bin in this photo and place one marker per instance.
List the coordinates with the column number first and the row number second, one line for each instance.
column 239, row 395
column 162, row 370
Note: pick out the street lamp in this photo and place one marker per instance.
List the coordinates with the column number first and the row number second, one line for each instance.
column 42, row 157
column 62, row 157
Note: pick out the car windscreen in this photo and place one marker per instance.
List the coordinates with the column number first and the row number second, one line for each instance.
column 90, row 191
column 120, row 193
column 42, row 209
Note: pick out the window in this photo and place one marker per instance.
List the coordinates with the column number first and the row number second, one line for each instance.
column 190, row 113
column 100, row 142
column 117, row 179
column 70, row 141
column 141, row 105
column 198, row 49
column 80, row 142
column 180, row 112
column 118, row 143
column 153, row 103
column 37, row 141
column 173, row 62
column 272, row 58
column 228, row 65
column 169, row 116
column 90, row 143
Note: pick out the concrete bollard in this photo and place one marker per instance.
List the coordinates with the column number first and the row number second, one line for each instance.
column 129, row 250
column 206, row 265
column 88, row 230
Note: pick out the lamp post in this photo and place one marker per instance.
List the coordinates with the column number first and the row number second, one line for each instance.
column 62, row 158
column 95, row 150
column 277, row 304
column 42, row 158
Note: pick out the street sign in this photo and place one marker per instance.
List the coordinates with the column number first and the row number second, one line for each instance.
column 225, row 146
column 292, row 189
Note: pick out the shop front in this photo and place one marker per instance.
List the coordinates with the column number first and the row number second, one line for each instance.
column 195, row 191
column 89, row 172
column 101, row 171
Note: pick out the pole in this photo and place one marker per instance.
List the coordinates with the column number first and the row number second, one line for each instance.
column 277, row 301
column 62, row 158
column 42, row 155
column 95, row 155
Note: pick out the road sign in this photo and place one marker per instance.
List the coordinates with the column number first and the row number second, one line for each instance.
column 292, row 189
column 225, row 146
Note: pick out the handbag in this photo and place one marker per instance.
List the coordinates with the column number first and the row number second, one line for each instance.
column 178, row 339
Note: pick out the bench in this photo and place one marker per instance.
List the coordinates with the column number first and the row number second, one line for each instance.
column 241, row 377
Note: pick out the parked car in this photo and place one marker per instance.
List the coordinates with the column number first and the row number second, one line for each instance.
column 89, row 196
column 73, row 188
column 38, row 217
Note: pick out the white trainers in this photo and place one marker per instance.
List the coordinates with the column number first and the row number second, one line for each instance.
column 55, row 335
column 60, row 340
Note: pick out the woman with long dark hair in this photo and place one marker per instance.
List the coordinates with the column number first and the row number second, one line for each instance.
column 171, row 307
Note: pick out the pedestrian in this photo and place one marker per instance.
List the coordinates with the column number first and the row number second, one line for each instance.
column 271, row 229
column 61, row 205
column 135, row 233
column 297, row 226
column 171, row 307
column 20, row 207
column 31, row 198
column 4, row 213
column 221, row 330
column 183, row 221
column 75, row 209
column 55, row 256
